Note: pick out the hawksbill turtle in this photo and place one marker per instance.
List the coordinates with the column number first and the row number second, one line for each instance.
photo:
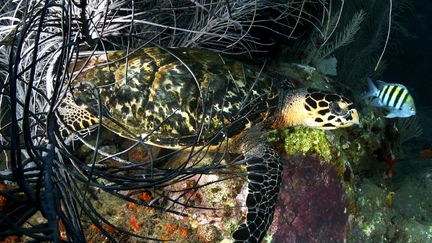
column 178, row 97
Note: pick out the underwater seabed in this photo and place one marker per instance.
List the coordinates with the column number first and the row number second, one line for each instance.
column 337, row 186
column 399, row 212
column 334, row 188
column 322, row 199
column 398, row 209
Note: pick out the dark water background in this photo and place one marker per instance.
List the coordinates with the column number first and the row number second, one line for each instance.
column 412, row 64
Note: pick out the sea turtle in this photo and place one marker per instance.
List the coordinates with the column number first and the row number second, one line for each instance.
column 178, row 97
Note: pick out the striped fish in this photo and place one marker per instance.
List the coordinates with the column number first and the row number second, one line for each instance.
column 393, row 97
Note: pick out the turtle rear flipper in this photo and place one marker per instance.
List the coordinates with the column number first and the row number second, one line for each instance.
column 264, row 170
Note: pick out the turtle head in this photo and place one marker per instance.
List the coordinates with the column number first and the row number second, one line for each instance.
column 317, row 109
column 333, row 111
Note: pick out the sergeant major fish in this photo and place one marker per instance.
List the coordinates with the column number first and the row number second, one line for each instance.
column 393, row 97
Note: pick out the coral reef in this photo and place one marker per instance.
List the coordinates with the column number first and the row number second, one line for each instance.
column 210, row 199
column 102, row 188
column 312, row 205
column 395, row 211
column 373, row 214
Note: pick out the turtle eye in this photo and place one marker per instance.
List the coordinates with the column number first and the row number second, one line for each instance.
column 335, row 108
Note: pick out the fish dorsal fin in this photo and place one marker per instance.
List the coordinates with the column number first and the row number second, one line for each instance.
column 401, row 85
column 381, row 84
column 372, row 92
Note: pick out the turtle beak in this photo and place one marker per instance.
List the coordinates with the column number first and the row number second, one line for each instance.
column 354, row 117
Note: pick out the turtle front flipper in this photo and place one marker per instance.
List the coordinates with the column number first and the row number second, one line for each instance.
column 264, row 170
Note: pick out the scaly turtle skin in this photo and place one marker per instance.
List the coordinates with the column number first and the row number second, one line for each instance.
column 176, row 98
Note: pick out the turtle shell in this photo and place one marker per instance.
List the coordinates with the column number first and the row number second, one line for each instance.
column 176, row 97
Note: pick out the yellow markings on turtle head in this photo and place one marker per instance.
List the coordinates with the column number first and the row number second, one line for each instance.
column 317, row 109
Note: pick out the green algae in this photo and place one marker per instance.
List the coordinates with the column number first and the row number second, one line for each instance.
column 307, row 140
